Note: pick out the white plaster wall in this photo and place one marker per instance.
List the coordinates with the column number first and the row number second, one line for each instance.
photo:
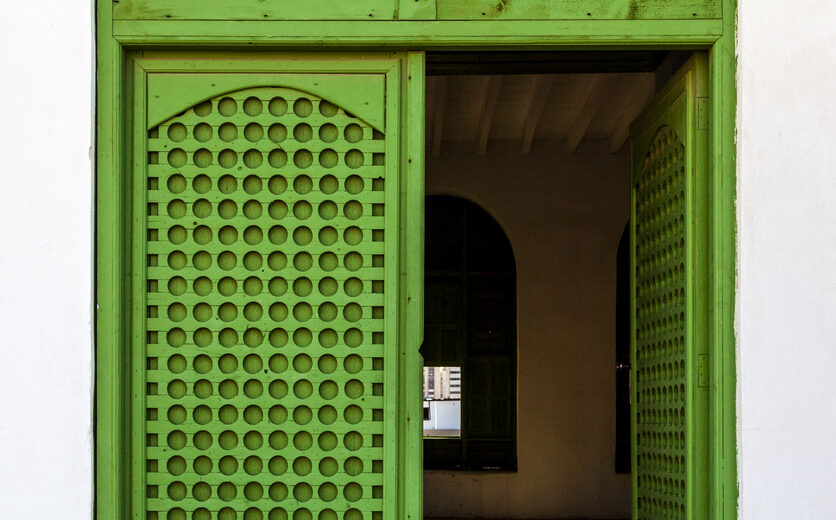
column 46, row 260
column 787, row 259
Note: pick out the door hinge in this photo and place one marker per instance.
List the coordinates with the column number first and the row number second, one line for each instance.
column 702, row 113
column 702, row 370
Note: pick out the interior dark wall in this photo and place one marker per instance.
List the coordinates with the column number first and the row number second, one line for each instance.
column 564, row 215
column 470, row 322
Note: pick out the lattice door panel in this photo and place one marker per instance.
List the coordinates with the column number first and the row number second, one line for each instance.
column 669, row 397
column 660, row 336
column 265, row 311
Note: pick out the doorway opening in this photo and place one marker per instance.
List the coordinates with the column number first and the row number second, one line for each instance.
column 538, row 143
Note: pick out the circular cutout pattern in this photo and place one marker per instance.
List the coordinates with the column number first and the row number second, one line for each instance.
column 277, row 132
column 354, row 184
column 252, row 106
column 228, row 132
column 353, row 133
column 302, row 132
column 202, row 158
column 202, row 132
column 328, row 109
column 328, row 133
column 302, row 107
column 278, row 106
column 202, row 208
column 294, row 218
column 227, row 106
column 177, row 132
column 354, row 159
column 303, row 158
column 202, row 184
column 202, row 234
column 203, row 109
column 176, row 183
column 328, row 338
column 253, row 158
column 277, row 158
column 328, row 158
column 177, row 234
column 228, row 158
column 253, row 132
column 177, row 157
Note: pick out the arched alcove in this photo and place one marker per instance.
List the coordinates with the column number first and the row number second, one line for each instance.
column 470, row 323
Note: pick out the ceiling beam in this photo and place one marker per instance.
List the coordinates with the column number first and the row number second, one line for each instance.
column 536, row 101
column 643, row 93
column 595, row 91
column 439, row 102
column 487, row 111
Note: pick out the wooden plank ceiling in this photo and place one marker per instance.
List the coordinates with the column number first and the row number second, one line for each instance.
column 534, row 109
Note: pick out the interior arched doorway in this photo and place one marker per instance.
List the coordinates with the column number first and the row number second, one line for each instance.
column 470, row 346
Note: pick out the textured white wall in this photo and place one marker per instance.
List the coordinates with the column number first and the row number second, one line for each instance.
column 787, row 249
column 46, row 260
column 787, row 259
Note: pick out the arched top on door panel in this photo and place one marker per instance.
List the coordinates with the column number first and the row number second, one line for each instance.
column 360, row 95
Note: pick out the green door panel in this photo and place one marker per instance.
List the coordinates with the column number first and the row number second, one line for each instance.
column 265, row 247
column 668, row 277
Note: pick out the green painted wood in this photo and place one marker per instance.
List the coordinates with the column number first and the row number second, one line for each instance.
column 254, row 10
column 416, row 10
column 581, row 9
column 723, row 240
column 669, row 310
column 135, row 355
column 488, row 34
column 244, row 358
column 356, row 94
column 394, row 407
column 411, row 478
column 112, row 443
column 266, row 319
column 114, row 99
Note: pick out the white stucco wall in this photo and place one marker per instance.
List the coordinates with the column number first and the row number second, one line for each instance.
column 46, row 260
column 787, row 259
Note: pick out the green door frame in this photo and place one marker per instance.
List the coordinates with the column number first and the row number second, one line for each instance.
column 116, row 38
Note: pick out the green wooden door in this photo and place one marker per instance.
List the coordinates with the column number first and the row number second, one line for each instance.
column 668, row 286
column 267, row 331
